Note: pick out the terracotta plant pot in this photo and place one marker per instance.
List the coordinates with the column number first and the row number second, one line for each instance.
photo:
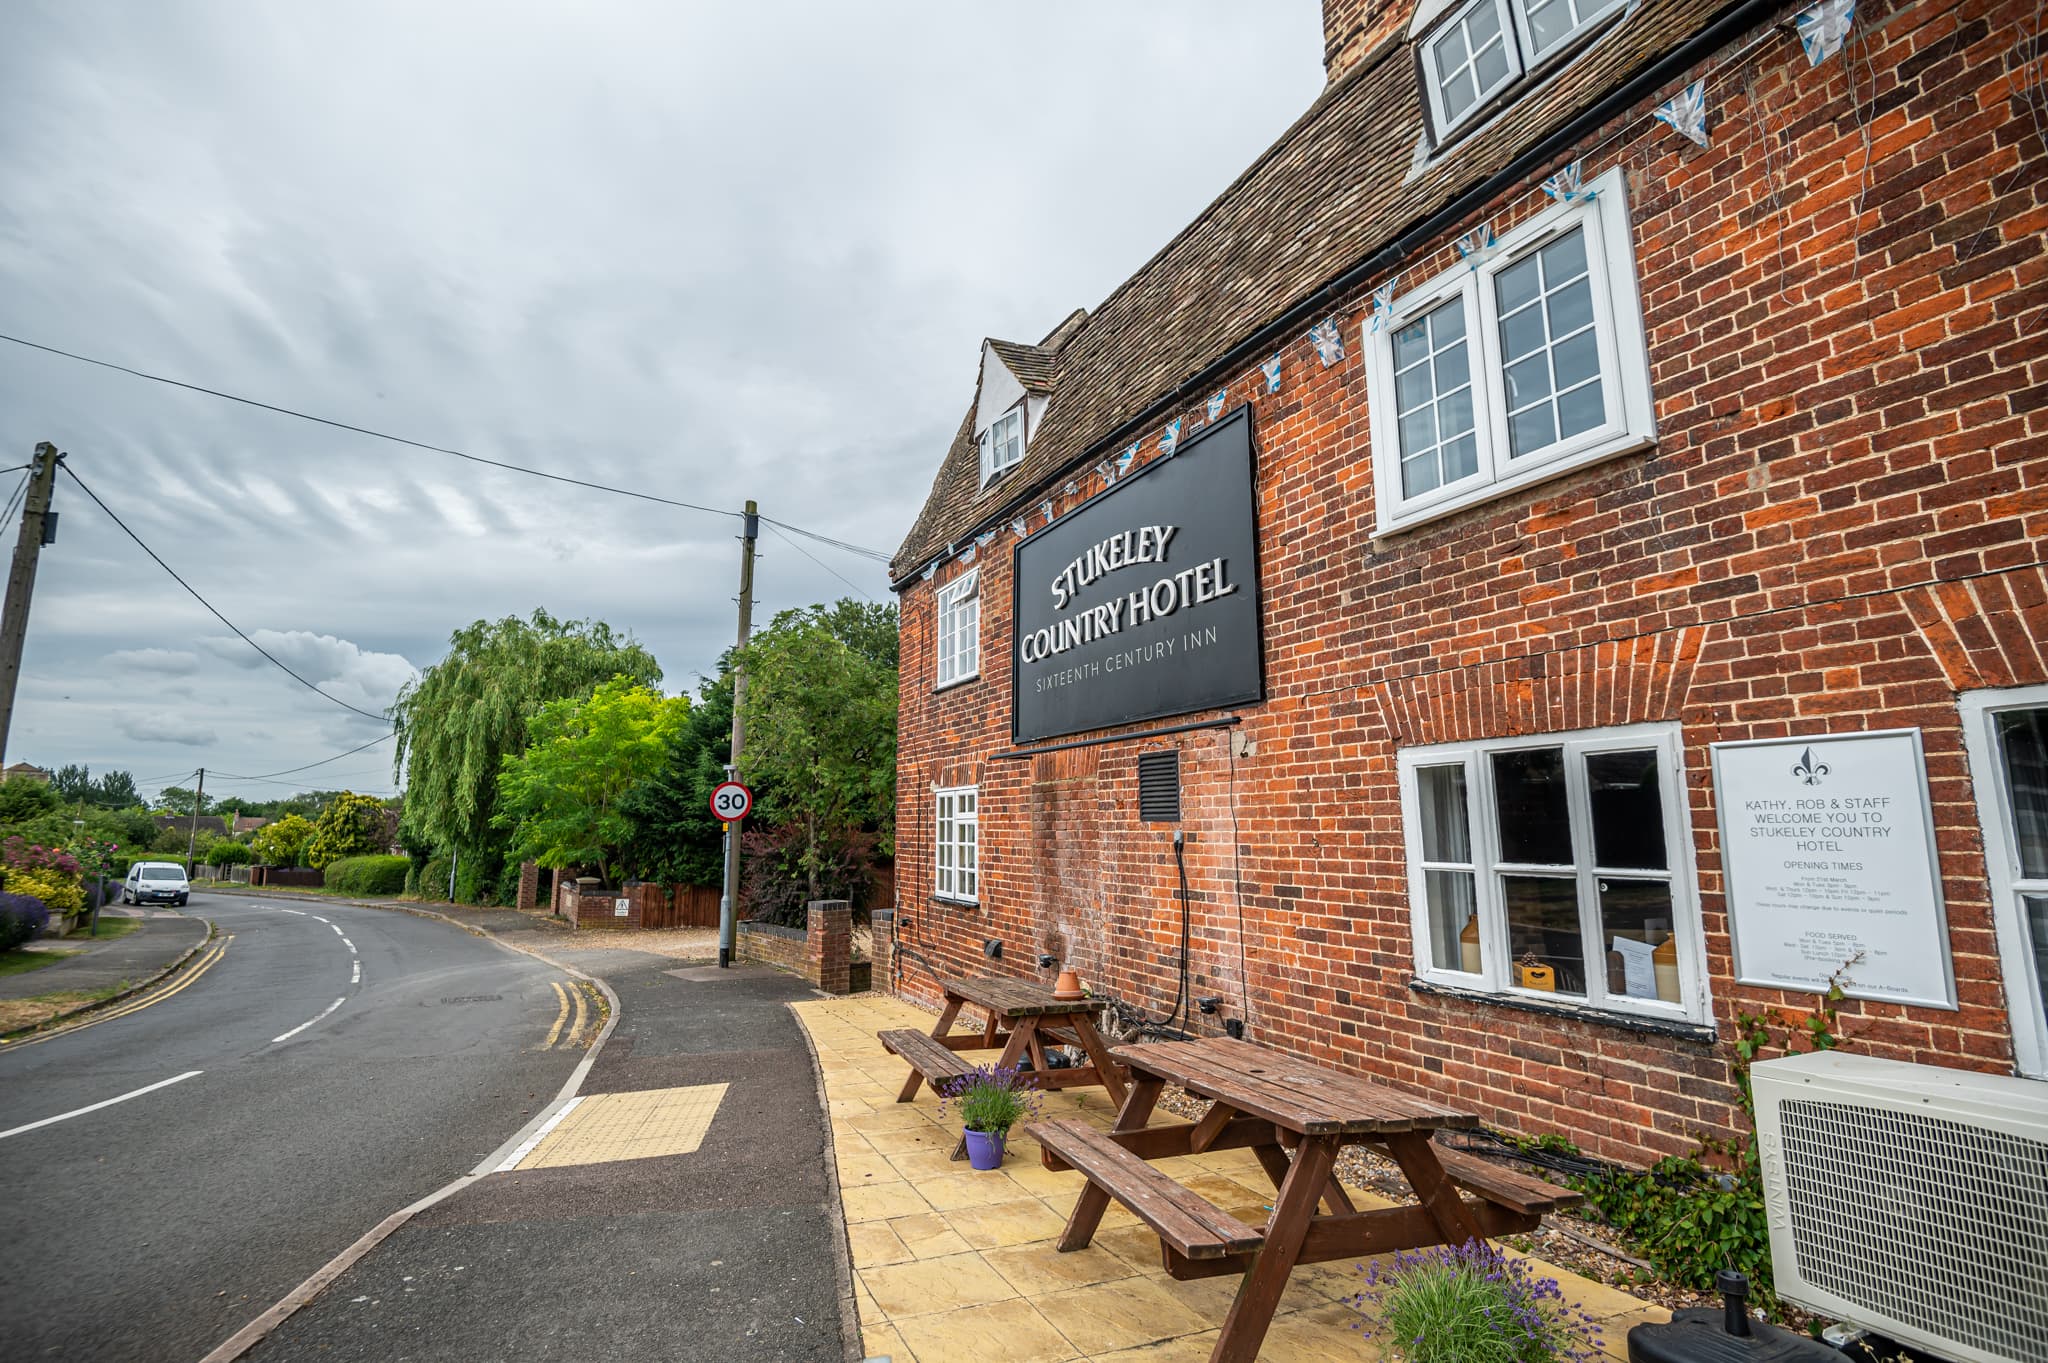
column 985, row 1149
column 1067, row 986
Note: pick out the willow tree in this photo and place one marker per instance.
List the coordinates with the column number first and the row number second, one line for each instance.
column 462, row 717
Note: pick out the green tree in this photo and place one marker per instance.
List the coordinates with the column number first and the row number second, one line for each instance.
column 561, row 797
column 675, row 838
column 23, row 798
column 178, row 800
column 283, row 842
column 72, row 783
column 114, row 790
column 821, row 724
column 461, row 718
column 350, row 826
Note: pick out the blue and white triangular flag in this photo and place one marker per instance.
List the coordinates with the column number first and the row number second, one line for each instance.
column 981, row 540
column 930, row 568
column 1476, row 245
column 1328, row 339
column 1127, row 458
column 1271, row 369
column 1107, row 473
column 1072, row 488
column 1824, row 28
column 967, row 556
column 1169, row 437
column 1687, row 111
column 1565, row 186
column 1019, row 528
column 1046, row 507
column 1383, row 303
column 1216, row 401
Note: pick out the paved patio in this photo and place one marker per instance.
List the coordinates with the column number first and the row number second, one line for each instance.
column 952, row 1264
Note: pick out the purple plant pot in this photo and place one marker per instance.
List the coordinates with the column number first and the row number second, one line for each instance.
column 985, row 1149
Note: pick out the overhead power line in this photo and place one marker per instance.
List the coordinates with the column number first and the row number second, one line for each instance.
column 814, row 558
column 270, row 775
column 211, row 609
column 375, row 434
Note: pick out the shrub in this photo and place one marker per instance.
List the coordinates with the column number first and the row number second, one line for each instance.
column 58, row 892
column 1471, row 1304
column 22, row 917
column 23, row 798
column 352, row 825
column 367, row 875
column 432, row 881
column 229, row 853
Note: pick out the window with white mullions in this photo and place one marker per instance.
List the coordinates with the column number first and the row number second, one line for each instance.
column 1545, row 26
column 1002, row 444
column 1433, row 394
column 2006, row 733
column 959, row 630
column 1549, row 350
column 956, row 850
column 1467, row 60
column 1543, row 867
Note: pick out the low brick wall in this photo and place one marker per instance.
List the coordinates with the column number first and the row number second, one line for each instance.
column 822, row 953
column 600, row 907
column 881, row 952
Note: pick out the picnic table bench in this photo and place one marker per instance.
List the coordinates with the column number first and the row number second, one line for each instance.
column 1272, row 1103
column 1022, row 1018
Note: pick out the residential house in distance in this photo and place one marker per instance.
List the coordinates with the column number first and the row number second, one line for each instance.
column 28, row 770
column 1549, row 561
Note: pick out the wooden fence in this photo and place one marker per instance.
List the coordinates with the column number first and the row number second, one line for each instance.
column 684, row 906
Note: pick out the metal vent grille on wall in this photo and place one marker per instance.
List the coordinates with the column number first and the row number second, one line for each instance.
column 1927, row 1221
column 1159, row 786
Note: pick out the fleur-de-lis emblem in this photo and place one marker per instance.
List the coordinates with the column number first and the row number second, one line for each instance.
column 1328, row 339
column 1824, row 28
column 1808, row 770
column 1271, row 369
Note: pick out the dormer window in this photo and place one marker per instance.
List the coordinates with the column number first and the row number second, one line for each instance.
column 1483, row 48
column 1002, row 444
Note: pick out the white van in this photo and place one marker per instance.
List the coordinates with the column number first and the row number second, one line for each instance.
column 162, row 882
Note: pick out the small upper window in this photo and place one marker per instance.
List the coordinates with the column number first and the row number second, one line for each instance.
column 1002, row 444
column 1485, row 46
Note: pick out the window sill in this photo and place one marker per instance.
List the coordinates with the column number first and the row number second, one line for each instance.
column 1401, row 523
column 957, row 681
column 950, row 902
column 1681, row 1031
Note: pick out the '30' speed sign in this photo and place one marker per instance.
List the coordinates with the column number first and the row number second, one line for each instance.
column 731, row 801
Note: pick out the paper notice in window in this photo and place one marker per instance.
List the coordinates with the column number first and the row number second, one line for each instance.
column 1638, row 968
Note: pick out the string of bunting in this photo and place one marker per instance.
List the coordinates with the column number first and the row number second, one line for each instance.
column 1686, row 111
column 1824, row 28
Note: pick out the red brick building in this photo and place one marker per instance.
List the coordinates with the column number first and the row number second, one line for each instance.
column 1647, row 614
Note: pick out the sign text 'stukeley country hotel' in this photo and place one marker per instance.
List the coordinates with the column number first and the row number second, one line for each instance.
column 1564, row 536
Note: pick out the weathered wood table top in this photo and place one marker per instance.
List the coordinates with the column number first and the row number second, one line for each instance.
column 1010, row 997
column 1296, row 1094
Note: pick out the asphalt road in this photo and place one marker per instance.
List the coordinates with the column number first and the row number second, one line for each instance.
column 155, row 1227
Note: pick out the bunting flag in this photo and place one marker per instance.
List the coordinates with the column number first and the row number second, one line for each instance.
column 1169, row 437
column 981, row 540
column 1046, row 507
column 1687, row 111
column 1071, row 488
column 1476, row 245
column 1127, row 458
column 1383, row 303
column 1271, row 369
column 1018, row 528
column 1824, row 28
column 967, row 556
column 1566, row 187
column 1216, row 401
column 1108, row 473
column 1328, row 339
column 930, row 568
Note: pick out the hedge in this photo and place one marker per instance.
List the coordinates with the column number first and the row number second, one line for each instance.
column 368, row 875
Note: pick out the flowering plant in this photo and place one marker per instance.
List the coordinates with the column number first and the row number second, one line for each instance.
column 18, row 851
column 1472, row 1304
column 990, row 1098
column 95, row 858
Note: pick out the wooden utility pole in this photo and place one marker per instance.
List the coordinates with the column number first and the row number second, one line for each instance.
column 728, row 906
column 192, row 836
column 37, row 529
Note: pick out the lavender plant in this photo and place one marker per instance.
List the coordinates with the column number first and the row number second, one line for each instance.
column 990, row 1098
column 1471, row 1304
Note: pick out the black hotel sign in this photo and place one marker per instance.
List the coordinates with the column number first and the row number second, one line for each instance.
column 1145, row 601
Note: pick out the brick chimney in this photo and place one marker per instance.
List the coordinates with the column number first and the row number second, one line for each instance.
column 1353, row 28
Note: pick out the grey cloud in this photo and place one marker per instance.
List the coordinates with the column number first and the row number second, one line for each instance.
column 166, row 729
column 169, row 662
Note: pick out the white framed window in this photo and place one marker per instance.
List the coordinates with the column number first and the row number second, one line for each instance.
column 956, row 860
column 1467, row 60
column 1557, row 868
column 1485, row 47
column 959, row 630
column 1002, row 444
column 2006, row 735
column 1491, row 377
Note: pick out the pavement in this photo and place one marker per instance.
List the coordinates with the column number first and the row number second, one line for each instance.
column 664, row 1217
column 185, row 1159
column 148, row 951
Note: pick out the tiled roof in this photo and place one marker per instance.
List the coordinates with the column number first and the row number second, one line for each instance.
column 1333, row 190
column 1033, row 366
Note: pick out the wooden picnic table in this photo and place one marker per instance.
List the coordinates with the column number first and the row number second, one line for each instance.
column 1022, row 1018
column 1271, row 1103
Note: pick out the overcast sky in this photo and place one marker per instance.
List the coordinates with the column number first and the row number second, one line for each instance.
column 707, row 251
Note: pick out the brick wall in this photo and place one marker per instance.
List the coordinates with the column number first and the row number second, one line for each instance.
column 1841, row 526
column 600, row 907
column 821, row 952
column 768, row 944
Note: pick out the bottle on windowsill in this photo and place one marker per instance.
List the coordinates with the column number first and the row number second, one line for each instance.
column 1468, row 945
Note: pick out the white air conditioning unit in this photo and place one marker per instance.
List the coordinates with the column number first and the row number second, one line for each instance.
column 1910, row 1199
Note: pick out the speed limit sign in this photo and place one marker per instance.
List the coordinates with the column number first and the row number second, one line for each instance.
column 731, row 801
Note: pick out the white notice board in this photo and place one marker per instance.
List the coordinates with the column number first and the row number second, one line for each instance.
column 1827, row 848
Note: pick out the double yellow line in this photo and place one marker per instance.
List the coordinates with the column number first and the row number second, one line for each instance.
column 575, row 995
column 207, row 960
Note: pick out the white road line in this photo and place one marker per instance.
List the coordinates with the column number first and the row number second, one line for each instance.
column 317, row 918
column 308, row 1022
column 355, row 975
column 512, row 1160
column 301, row 913
column 67, row 1116
column 337, row 928
column 350, row 945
